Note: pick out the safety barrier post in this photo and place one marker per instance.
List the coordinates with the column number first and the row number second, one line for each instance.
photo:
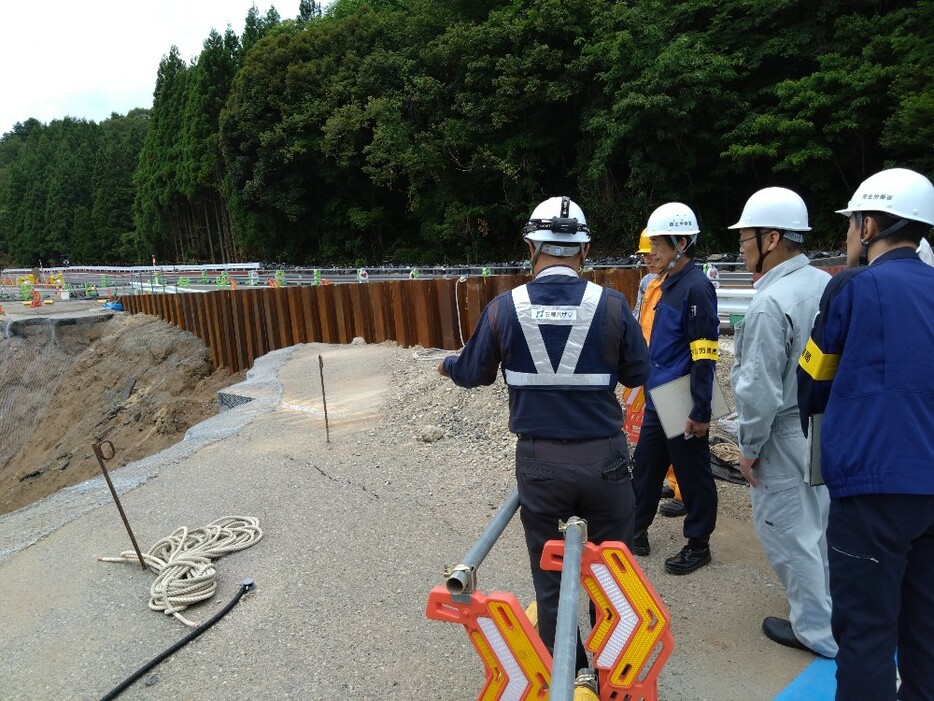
column 562, row 666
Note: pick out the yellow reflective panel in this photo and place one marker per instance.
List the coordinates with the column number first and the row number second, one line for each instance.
column 518, row 666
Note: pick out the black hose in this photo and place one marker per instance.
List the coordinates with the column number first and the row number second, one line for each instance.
column 245, row 586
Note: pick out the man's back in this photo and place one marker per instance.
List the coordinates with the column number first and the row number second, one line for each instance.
column 880, row 320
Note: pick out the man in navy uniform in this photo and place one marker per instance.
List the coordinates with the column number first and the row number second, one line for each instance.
column 867, row 370
column 683, row 343
column 563, row 345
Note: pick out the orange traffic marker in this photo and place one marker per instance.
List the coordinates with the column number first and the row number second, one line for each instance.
column 518, row 666
column 631, row 640
column 633, row 401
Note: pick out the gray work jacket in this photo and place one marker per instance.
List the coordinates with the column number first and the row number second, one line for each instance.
column 768, row 342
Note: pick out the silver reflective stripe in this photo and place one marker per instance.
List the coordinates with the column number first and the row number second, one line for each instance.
column 518, row 379
column 579, row 318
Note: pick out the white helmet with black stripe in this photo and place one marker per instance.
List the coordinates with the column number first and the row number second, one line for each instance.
column 557, row 227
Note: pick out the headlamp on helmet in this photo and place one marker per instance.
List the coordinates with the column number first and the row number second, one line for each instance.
column 557, row 220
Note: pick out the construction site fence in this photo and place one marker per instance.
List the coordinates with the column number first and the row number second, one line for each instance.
column 240, row 325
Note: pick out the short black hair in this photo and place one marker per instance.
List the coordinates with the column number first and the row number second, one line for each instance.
column 911, row 233
column 690, row 246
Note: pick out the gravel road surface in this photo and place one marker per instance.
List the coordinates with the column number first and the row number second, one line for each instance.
column 356, row 533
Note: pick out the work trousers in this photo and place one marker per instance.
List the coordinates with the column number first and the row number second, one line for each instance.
column 881, row 549
column 790, row 517
column 690, row 458
column 557, row 480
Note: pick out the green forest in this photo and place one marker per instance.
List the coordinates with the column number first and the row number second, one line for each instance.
column 413, row 131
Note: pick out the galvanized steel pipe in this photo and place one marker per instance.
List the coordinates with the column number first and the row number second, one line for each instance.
column 563, row 672
column 461, row 577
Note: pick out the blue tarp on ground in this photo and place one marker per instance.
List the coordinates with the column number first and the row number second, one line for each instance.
column 816, row 683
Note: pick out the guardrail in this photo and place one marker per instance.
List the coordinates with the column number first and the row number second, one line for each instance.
column 736, row 292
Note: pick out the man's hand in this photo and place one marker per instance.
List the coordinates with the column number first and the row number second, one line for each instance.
column 441, row 370
column 695, row 429
column 746, row 466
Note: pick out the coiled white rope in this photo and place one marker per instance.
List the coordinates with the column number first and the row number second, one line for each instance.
column 183, row 562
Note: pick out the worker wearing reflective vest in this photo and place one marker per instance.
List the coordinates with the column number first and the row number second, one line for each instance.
column 683, row 342
column 789, row 514
column 867, row 370
column 563, row 344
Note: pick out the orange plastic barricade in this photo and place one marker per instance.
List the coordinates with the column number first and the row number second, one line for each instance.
column 518, row 666
column 633, row 401
column 631, row 640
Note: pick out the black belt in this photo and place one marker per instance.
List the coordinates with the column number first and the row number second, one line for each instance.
column 563, row 441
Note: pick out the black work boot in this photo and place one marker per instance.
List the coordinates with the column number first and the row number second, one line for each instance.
column 640, row 543
column 693, row 556
column 673, row 508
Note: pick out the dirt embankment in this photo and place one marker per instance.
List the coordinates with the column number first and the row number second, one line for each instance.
column 133, row 380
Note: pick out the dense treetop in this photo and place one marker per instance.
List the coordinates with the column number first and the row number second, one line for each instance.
column 426, row 130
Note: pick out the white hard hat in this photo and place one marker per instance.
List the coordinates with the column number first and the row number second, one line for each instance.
column 557, row 220
column 899, row 192
column 774, row 208
column 672, row 219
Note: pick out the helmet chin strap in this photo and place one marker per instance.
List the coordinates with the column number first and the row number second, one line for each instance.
column 759, row 233
column 865, row 243
column 674, row 261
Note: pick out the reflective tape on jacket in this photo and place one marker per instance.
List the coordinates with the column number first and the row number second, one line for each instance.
column 704, row 349
column 579, row 318
column 819, row 365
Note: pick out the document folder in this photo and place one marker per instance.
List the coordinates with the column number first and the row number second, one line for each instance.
column 673, row 402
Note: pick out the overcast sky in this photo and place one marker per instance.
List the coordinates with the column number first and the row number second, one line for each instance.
column 63, row 58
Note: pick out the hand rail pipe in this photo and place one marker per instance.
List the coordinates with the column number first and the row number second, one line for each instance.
column 462, row 578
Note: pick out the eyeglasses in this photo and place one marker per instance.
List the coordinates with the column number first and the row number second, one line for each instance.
column 748, row 238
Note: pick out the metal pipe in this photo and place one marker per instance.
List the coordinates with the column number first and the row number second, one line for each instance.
column 461, row 578
column 98, row 449
column 563, row 672
column 324, row 401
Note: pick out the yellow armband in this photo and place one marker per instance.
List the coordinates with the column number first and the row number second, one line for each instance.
column 819, row 365
column 705, row 349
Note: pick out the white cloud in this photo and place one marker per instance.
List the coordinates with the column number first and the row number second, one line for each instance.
column 63, row 58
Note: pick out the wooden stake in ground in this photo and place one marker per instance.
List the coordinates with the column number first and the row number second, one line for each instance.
column 324, row 401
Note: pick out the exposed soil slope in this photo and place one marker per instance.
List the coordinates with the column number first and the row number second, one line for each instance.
column 133, row 380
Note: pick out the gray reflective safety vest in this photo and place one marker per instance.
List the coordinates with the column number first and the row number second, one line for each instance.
column 579, row 317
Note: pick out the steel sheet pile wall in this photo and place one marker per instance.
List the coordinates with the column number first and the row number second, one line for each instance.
column 243, row 324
